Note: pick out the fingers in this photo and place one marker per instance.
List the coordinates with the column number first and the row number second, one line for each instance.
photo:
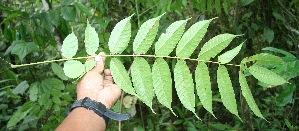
column 108, row 77
column 100, row 63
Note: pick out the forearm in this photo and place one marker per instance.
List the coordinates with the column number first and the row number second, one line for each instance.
column 81, row 119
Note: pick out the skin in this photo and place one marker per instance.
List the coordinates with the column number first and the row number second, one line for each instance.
column 96, row 84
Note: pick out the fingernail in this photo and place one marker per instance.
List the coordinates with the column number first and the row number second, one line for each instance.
column 97, row 58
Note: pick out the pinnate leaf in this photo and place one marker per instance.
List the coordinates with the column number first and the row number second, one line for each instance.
column 91, row 40
column 191, row 38
column 203, row 86
column 168, row 40
column 265, row 59
column 162, row 82
column 120, row 36
column 146, row 35
column 73, row 68
column 184, row 85
column 229, row 55
column 70, row 46
column 248, row 95
column 57, row 69
column 266, row 76
column 226, row 90
column 142, row 80
column 214, row 46
column 121, row 76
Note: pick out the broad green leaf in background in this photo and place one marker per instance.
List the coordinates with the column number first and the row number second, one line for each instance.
column 142, row 80
column 57, row 69
column 229, row 55
column 286, row 95
column 191, row 38
column 265, row 59
column 55, row 17
column 70, row 46
column 21, row 88
column 17, row 117
column 89, row 65
column 73, row 68
column 91, row 40
column 246, row 2
column 184, row 85
column 168, row 40
column 121, row 76
column 226, row 90
column 22, row 49
column 218, row 6
column 146, row 35
column 248, row 95
column 287, row 54
column 120, row 36
column 33, row 91
column 68, row 13
column 225, row 7
column 214, row 46
column 83, row 9
column 203, row 86
column 51, row 83
column 269, row 35
column 44, row 98
column 266, row 76
column 209, row 6
column 162, row 82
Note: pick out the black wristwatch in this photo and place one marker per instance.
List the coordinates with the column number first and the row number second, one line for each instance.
column 99, row 109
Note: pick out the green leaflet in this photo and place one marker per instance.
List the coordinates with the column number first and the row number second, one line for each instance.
column 229, row 55
column 70, row 46
column 167, row 41
column 22, row 49
column 33, row 92
column 162, row 82
column 265, row 59
column 203, row 86
column 214, row 46
column 91, row 40
column 191, row 38
column 142, row 80
column 146, row 35
column 121, row 76
column 17, row 117
column 226, row 90
column 266, row 76
column 248, row 95
column 21, row 88
column 287, row 54
column 184, row 85
column 120, row 36
column 57, row 69
column 89, row 65
column 218, row 6
column 73, row 68
column 83, row 9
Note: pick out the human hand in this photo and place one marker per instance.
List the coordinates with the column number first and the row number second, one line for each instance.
column 94, row 86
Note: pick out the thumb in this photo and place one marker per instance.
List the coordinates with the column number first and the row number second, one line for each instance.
column 100, row 62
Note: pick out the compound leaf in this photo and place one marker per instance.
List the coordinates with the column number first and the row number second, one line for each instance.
column 121, row 76
column 203, row 86
column 146, row 35
column 229, row 55
column 120, row 36
column 73, row 68
column 214, row 46
column 248, row 95
column 184, row 85
column 265, row 59
column 191, row 38
column 91, row 40
column 142, row 80
column 266, row 76
column 226, row 90
column 168, row 40
column 57, row 69
column 70, row 46
column 162, row 82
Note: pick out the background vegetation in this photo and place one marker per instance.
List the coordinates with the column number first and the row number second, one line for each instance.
column 33, row 31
